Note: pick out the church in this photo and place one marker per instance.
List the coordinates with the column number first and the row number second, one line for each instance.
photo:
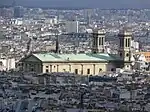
column 94, row 63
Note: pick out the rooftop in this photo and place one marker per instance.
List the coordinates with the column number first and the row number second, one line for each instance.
column 76, row 57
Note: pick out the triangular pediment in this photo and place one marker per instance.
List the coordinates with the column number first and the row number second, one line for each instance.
column 31, row 58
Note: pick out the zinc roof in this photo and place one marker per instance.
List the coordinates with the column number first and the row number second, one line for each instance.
column 47, row 57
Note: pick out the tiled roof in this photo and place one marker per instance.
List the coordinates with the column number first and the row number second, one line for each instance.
column 45, row 57
column 146, row 54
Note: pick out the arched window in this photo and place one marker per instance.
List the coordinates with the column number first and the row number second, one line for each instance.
column 100, row 41
column 88, row 71
column 76, row 71
column 47, row 70
column 127, row 54
column 126, row 42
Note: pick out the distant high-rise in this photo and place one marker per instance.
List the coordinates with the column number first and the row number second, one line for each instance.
column 87, row 15
column 6, row 12
column 72, row 26
column 18, row 12
column 14, row 3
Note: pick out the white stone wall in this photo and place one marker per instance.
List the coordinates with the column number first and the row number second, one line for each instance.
column 7, row 64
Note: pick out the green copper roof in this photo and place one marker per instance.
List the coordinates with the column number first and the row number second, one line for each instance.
column 45, row 57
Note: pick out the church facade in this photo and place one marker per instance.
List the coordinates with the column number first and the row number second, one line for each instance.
column 85, row 64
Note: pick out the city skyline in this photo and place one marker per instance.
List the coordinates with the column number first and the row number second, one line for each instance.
column 103, row 4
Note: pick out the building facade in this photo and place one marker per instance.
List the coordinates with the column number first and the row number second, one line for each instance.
column 72, row 26
column 98, row 41
column 146, row 55
column 143, row 61
column 125, row 54
column 84, row 63
column 7, row 64
column 18, row 12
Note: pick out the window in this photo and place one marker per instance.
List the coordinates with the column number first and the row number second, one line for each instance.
column 46, row 66
column 50, row 68
column 121, row 54
column 88, row 71
column 76, row 71
column 112, row 69
column 127, row 54
column 64, row 70
column 81, row 71
column 47, row 70
column 32, row 70
column 100, row 42
column 100, row 70
column 126, row 42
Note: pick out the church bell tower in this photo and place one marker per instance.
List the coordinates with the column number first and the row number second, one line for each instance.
column 125, row 38
column 98, row 41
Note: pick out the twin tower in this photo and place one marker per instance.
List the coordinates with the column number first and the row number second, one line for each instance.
column 125, row 38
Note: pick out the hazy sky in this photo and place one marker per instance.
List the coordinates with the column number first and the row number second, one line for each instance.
column 84, row 3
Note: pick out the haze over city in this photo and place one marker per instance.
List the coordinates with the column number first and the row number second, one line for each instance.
column 103, row 4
